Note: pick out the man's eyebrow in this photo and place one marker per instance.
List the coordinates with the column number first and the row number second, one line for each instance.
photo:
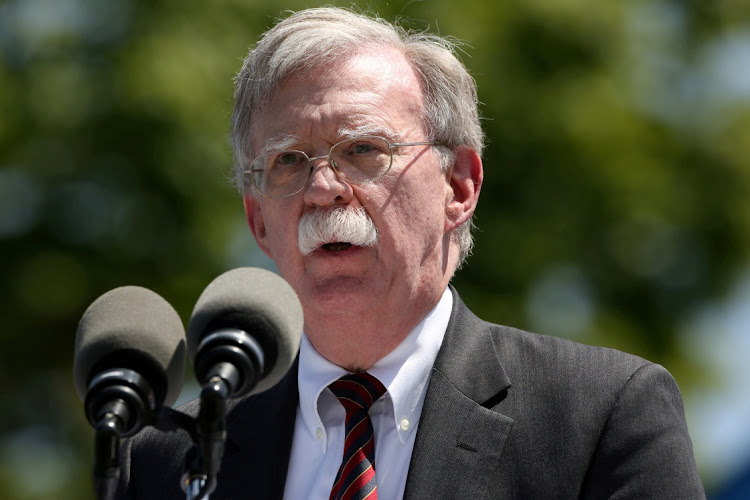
column 280, row 142
column 368, row 129
column 283, row 142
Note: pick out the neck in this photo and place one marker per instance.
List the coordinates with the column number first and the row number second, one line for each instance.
column 356, row 341
column 355, row 338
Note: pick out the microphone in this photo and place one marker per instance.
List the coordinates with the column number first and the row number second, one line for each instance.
column 129, row 361
column 242, row 338
column 246, row 328
column 130, row 337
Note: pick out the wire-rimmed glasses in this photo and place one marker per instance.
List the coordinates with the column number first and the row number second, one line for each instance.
column 357, row 160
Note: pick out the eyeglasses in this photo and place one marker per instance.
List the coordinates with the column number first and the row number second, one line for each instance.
column 356, row 161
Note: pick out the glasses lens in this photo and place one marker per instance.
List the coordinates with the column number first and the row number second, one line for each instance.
column 280, row 174
column 362, row 159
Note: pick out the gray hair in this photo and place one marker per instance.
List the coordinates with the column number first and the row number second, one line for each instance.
column 314, row 37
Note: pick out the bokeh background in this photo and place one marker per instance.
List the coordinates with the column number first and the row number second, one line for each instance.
column 615, row 210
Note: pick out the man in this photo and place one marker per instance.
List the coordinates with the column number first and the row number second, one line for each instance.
column 358, row 150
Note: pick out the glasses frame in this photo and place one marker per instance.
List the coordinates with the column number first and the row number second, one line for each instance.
column 332, row 163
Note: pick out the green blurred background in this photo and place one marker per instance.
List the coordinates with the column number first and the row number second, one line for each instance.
column 615, row 210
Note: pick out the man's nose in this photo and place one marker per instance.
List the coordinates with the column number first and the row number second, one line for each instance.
column 325, row 188
column 322, row 165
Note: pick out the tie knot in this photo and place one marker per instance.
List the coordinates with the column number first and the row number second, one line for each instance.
column 357, row 390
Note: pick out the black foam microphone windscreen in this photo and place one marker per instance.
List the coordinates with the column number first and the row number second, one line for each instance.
column 259, row 303
column 133, row 328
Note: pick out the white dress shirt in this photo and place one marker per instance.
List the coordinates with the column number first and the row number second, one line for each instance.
column 318, row 443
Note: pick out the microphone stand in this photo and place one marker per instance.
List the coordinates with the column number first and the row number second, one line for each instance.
column 204, row 459
column 120, row 403
column 106, row 451
column 116, row 404
column 116, row 419
column 197, row 482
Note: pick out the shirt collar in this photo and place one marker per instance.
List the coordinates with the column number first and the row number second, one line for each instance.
column 405, row 372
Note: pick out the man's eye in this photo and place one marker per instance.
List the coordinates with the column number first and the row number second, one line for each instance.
column 362, row 148
column 289, row 158
column 367, row 147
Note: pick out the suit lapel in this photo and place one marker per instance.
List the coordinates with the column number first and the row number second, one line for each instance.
column 460, row 437
column 262, row 426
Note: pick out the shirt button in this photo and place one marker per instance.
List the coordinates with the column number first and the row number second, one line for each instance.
column 319, row 434
column 404, row 424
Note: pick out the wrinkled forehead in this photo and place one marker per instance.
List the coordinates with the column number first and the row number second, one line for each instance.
column 372, row 89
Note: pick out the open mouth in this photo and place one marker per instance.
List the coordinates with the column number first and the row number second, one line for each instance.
column 336, row 246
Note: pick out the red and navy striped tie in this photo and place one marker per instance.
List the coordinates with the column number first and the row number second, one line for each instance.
column 356, row 477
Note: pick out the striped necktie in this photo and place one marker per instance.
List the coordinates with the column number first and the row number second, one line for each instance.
column 356, row 476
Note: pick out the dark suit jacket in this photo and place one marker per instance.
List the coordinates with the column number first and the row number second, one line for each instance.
column 508, row 415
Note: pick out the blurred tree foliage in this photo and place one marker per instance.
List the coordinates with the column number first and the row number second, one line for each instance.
column 615, row 201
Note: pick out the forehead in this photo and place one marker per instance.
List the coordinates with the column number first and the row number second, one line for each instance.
column 374, row 89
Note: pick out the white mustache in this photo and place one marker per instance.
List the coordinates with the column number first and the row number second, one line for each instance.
column 335, row 225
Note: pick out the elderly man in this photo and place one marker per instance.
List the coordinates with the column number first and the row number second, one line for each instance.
column 358, row 150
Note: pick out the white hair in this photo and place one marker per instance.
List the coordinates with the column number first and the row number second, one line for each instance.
column 314, row 37
column 340, row 224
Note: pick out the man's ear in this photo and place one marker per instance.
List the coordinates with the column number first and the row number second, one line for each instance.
column 465, row 178
column 254, row 216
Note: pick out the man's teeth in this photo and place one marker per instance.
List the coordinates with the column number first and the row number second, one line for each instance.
column 339, row 245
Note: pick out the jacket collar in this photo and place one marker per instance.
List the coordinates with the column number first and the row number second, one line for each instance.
column 461, row 434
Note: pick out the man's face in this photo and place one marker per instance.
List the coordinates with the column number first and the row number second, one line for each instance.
column 404, row 274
